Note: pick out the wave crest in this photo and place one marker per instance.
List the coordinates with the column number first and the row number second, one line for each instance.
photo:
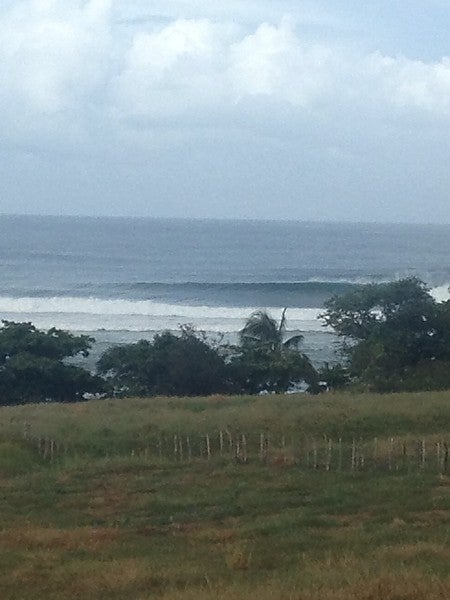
column 91, row 314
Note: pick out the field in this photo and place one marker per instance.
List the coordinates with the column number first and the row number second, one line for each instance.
column 337, row 497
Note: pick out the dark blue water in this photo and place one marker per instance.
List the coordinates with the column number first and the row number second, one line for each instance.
column 124, row 278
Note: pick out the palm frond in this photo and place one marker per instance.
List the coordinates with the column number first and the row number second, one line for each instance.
column 261, row 327
column 294, row 342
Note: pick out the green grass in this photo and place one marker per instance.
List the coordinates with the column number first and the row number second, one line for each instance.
column 340, row 414
column 100, row 523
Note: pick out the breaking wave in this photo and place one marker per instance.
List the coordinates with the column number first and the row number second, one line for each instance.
column 81, row 313
column 91, row 314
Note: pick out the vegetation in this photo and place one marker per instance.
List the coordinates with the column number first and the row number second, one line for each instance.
column 169, row 365
column 266, row 361
column 396, row 336
column 105, row 523
column 159, row 498
column 32, row 366
column 188, row 364
column 262, row 331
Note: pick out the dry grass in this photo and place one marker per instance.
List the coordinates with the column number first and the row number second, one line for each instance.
column 334, row 414
column 384, row 587
column 40, row 538
column 128, row 528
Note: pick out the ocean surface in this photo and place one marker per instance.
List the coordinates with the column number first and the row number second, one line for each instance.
column 124, row 279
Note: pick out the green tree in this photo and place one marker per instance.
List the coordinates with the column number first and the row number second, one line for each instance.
column 263, row 331
column 33, row 367
column 266, row 360
column 388, row 330
column 171, row 365
column 335, row 376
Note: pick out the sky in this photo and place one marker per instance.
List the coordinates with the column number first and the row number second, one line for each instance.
column 324, row 110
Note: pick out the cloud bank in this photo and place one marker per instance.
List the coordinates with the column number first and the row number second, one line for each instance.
column 84, row 73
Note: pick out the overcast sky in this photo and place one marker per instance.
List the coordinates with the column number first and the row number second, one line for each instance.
column 291, row 109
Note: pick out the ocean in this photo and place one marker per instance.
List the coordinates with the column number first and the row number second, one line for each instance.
column 123, row 279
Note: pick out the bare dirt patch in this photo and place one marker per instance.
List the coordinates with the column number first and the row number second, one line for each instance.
column 85, row 538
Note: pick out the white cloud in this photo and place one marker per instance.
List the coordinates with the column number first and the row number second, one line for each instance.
column 53, row 54
column 410, row 84
column 274, row 62
column 193, row 65
column 197, row 64
column 100, row 102
column 64, row 64
column 174, row 69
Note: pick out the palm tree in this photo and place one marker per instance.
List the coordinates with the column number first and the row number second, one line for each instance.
column 267, row 360
column 262, row 330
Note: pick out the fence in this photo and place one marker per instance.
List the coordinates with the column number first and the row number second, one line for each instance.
column 317, row 453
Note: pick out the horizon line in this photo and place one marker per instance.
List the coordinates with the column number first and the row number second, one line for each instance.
column 222, row 219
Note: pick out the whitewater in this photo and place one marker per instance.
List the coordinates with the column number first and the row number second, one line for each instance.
column 90, row 314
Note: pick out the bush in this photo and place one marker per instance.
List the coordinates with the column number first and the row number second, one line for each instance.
column 395, row 334
column 255, row 370
column 32, row 367
column 170, row 365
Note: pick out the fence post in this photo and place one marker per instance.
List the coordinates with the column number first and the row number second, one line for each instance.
column 244, row 448
column 353, row 454
column 283, row 448
column 307, row 453
column 46, row 448
column 208, row 446
column 175, row 446
column 238, row 449
column 180, row 447
column 423, row 454
column 315, row 465
column 445, row 464
column 390, row 453
column 361, row 454
column 230, row 441
column 188, row 446
column 328, row 462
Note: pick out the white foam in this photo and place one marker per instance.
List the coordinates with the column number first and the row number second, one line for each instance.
column 441, row 293
column 91, row 314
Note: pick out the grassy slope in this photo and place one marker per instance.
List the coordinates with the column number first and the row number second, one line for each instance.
column 137, row 527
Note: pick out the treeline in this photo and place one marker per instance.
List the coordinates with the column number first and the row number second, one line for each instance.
column 394, row 336
column 36, row 365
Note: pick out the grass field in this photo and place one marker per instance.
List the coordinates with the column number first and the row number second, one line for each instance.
column 112, row 517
